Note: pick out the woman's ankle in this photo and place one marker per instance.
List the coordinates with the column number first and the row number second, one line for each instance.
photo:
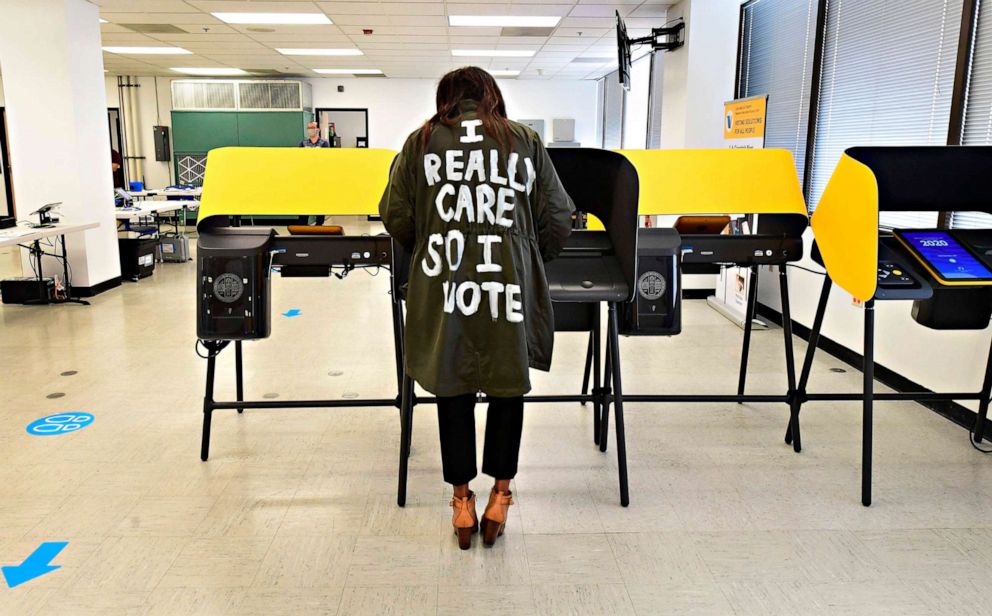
column 502, row 485
column 462, row 491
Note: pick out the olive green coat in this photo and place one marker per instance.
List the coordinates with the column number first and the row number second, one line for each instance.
column 479, row 221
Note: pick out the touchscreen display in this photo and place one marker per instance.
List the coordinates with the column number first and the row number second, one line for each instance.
column 949, row 258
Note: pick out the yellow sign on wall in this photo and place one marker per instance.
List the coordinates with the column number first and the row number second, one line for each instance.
column 744, row 122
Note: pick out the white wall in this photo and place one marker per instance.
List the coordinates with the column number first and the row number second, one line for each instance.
column 56, row 112
column 398, row 106
column 698, row 78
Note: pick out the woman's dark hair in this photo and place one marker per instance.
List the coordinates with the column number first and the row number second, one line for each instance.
column 470, row 82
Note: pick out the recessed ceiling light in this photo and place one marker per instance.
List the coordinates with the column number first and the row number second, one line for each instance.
column 319, row 52
column 279, row 19
column 500, row 53
column 504, row 73
column 521, row 21
column 348, row 71
column 175, row 51
column 104, row 21
column 211, row 71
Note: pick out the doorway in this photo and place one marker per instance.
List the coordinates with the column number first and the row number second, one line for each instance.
column 6, row 185
column 351, row 127
column 117, row 140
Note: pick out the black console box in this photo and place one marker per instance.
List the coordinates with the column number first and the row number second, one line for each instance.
column 7, row 222
column 27, row 290
column 234, row 284
column 657, row 306
column 137, row 257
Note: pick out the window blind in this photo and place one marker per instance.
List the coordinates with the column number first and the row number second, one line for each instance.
column 886, row 79
column 612, row 111
column 977, row 128
column 776, row 58
column 635, row 110
column 654, row 100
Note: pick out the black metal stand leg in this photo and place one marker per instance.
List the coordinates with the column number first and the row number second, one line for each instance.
column 604, row 423
column 614, row 342
column 792, row 434
column 397, row 306
column 239, row 373
column 597, row 402
column 208, row 402
column 752, row 300
column 588, row 368
column 867, row 408
column 983, row 404
column 406, row 427
column 790, row 359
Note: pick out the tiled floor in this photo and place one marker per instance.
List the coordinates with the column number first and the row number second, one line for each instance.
column 294, row 513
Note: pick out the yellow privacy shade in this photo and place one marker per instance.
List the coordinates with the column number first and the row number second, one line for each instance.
column 845, row 225
column 725, row 181
column 295, row 181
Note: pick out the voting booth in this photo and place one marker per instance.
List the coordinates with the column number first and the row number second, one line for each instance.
column 235, row 263
column 946, row 274
column 715, row 183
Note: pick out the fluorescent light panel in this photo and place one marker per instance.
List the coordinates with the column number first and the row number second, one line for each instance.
column 519, row 21
column 495, row 53
column 173, row 51
column 104, row 21
column 319, row 52
column 348, row 71
column 275, row 19
column 212, row 71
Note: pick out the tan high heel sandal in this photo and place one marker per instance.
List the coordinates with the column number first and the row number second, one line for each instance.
column 464, row 519
column 494, row 518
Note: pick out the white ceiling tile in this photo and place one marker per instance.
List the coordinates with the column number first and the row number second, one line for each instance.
column 283, row 40
column 204, row 37
column 229, row 47
column 601, row 10
column 214, row 6
column 408, row 31
column 373, row 21
column 378, row 45
column 143, row 6
column 162, row 18
column 591, row 23
column 650, row 10
column 130, row 39
column 292, row 31
column 590, row 33
column 337, row 9
column 547, row 9
column 530, row 41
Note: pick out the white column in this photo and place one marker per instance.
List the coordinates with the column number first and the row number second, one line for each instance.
column 699, row 76
column 56, row 105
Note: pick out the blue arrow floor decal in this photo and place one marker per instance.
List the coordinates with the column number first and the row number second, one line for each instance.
column 35, row 565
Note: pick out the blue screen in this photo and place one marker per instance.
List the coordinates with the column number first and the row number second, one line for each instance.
column 946, row 255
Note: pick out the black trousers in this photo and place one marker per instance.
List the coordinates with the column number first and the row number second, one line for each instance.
column 504, row 424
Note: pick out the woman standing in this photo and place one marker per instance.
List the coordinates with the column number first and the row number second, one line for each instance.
column 474, row 198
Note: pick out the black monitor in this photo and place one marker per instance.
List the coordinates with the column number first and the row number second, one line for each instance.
column 623, row 53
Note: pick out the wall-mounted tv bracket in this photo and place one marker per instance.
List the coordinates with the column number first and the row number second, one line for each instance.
column 666, row 38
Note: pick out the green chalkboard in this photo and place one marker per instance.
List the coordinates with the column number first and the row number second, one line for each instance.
column 201, row 131
column 270, row 128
